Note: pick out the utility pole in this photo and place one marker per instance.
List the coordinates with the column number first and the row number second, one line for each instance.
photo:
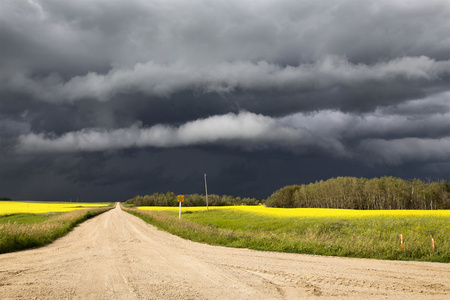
column 206, row 191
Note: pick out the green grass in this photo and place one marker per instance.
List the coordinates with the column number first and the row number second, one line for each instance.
column 375, row 236
column 26, row 218
column 24, row 231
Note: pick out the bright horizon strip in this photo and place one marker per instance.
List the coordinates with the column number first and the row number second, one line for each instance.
column 310, row 212
column 30, row 207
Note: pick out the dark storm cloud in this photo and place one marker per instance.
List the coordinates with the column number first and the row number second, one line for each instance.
column 331, row 131
column 93, row 90
column 128, row 32
column 164, row 80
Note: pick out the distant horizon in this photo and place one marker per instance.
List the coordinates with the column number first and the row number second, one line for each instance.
column 81, row 200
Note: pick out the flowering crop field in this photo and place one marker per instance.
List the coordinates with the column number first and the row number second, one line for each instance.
column 309, row 212
column 382, row 234
column 16, row 207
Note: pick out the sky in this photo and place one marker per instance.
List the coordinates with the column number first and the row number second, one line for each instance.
column 102, row 100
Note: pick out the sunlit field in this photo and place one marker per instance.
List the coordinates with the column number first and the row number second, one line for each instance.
column 26, row 225
column 309, row 212
column 15, row 207
column 338, row 232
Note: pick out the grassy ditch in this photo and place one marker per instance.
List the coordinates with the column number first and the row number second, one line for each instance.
column 24, row 231
column 374, row 235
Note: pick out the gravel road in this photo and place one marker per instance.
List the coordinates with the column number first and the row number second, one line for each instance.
column 118, row 256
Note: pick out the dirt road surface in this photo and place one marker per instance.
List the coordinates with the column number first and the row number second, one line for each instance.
column 118, row 256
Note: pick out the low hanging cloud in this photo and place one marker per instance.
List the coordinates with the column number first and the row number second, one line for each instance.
column 376, row 137
column 160, row 80
column 400, row 151
column 409, row 120
column 245, row 130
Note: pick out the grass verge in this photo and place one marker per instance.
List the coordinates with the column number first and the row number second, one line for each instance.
column 376, row 236
column 24, row 231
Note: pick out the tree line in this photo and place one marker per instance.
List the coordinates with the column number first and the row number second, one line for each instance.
column 362, row 193
column 340, row 192
column 170, row 199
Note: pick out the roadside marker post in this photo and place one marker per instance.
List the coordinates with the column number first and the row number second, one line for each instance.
column 401, row 240
column 180, row 198
column 432, row 243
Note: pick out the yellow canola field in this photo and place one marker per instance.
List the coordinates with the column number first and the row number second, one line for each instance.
column 312, row 212
column 14, row 207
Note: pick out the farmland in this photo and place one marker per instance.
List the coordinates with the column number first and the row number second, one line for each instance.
column 34, row 207
column 335, row 232
column 26, row 225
